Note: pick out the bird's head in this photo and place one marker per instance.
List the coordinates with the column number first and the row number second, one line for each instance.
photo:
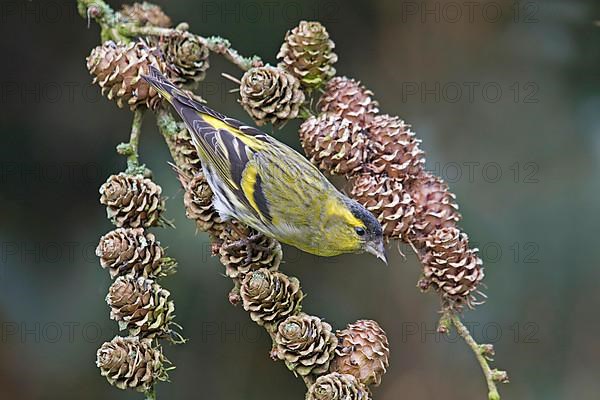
column 369, row 232
column 354, row 229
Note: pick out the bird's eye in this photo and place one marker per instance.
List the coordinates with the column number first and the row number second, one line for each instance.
column 360, row 231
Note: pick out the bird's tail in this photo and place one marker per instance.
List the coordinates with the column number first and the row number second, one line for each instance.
column 165, row 87
column 180, row 100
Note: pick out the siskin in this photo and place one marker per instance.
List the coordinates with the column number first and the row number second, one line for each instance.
column 270, row 187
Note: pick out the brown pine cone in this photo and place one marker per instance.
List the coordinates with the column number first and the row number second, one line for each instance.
column 307, row 53
column 133, row 252
column 142, row 306
column 451, row 267
column 270, row 94
column 242, row 253
column 435, row 206
column 270, row 296
column 118, row 69
column 334, row 144
column 388, row 200
column 336, row 386
column 184, row 152
column 362, row 351
column 198, row 202
column 131, row 362
column 394, row 148
column 145, row 14
column 306, row 344
column 187, row 58
column 132, row 201
column 349, row 99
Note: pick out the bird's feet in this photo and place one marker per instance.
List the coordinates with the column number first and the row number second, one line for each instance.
column 251, row 245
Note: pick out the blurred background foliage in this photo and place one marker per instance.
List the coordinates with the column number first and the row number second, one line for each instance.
column 523, row 162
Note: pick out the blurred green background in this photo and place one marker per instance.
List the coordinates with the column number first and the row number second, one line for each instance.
column 505, row 96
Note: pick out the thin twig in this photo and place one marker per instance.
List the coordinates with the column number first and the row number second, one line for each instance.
column 231, row 78
column 130, row 149
column 112, row 27
column 168, row 128
column 151, row 394
column 222, row 46
column 476, row 348
column 134, row 138
column 216, row 44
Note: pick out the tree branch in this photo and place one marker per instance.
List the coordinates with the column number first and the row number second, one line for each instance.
column 130, row 149
column 151, row 394
column 216, row 44
column 482, row 352
column 113, row 28
column 167, row 126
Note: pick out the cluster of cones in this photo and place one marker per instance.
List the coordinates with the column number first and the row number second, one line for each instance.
column 277, row 94
column 118, row 67
column 139, row 304
column 377, row 152
column 133, row 257
column 382, row 159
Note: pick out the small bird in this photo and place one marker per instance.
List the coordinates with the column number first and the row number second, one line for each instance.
column 270, row 187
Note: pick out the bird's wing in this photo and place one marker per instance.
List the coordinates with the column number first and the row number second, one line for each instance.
column 292, row 186
column 229, row 147
column 225, row 145
column 262, row 175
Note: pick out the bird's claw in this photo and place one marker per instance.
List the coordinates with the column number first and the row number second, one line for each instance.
column 250, row 244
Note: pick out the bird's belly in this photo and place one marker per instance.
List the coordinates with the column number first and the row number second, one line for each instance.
column 304, row 239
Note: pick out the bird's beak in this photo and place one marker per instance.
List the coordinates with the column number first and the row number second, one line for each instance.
column 378, row 250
